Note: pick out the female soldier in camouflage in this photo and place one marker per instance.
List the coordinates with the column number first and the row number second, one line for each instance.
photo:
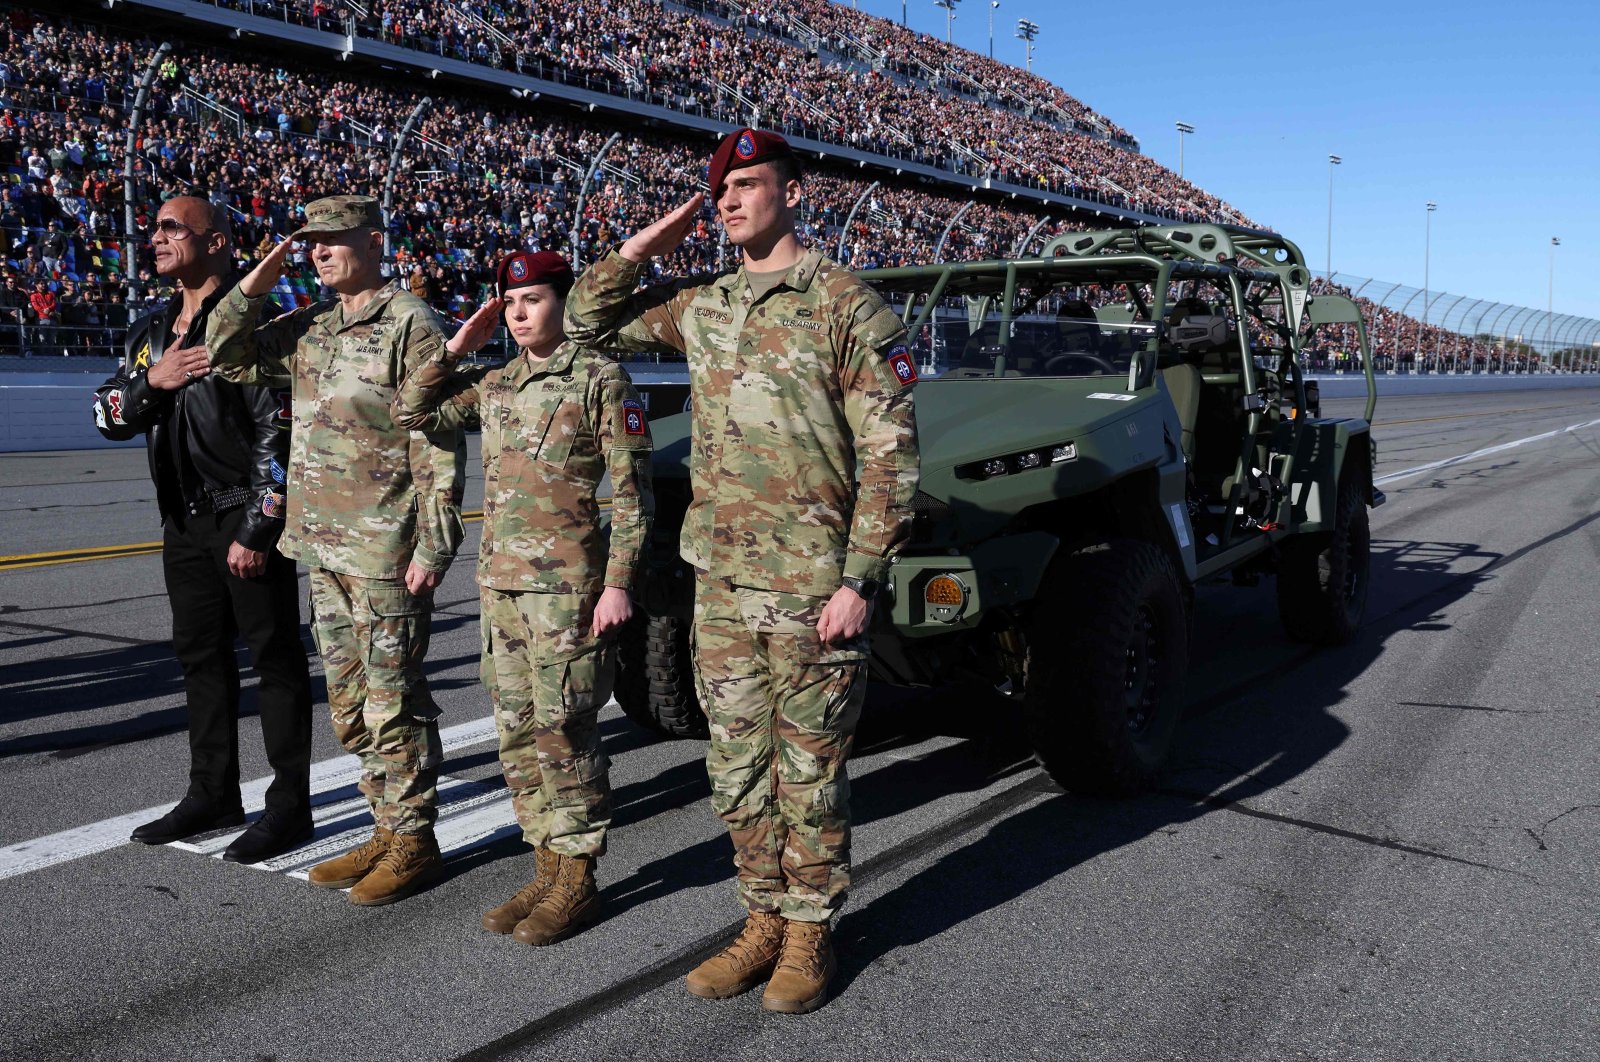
column 554, row 421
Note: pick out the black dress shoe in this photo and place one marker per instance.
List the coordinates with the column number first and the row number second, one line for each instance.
column 191, row 816
column 273, row 834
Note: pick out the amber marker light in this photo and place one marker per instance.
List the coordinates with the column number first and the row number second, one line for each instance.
column 945, row 596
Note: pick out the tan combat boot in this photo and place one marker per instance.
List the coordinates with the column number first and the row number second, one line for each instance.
column 743, row 964
column 411, row 862
column 504, row 919
column 572, row 903
column 800, row 983
column 341, row 872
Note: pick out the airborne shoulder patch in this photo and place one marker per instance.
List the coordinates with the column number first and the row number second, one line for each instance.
column 899, row 359
column 633, row 419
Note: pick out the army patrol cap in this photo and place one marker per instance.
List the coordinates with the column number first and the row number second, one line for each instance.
column 524, row 269
column 340, row 213
column 741, row 148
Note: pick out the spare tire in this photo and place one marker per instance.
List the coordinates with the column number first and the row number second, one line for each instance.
column 655, row 676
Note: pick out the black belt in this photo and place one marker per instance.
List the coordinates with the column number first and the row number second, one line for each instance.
column 219, row 501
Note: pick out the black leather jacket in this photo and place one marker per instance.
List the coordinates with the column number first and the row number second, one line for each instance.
column 237, row 437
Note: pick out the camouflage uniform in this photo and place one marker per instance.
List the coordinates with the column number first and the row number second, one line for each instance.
column 803, row 462
column 549, row 434
column 366, row 497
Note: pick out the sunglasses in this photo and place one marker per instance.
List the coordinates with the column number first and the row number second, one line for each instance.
column 177, row 230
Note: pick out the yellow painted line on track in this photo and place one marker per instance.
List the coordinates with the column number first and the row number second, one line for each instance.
column 18, row 561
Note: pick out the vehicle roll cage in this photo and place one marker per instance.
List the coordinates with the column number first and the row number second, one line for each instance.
column 1232, row 257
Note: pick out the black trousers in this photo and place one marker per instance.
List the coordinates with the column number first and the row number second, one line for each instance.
column 210, row 608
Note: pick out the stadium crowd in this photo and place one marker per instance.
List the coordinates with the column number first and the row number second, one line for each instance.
column 914, row 56
column 709, row 66
column 1403, row 343
column 273, row 138
column 482, row 178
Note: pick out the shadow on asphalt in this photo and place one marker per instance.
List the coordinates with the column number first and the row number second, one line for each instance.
column 147, row 671
column 1255, row 720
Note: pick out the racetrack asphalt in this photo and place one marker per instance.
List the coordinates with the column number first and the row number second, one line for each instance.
column 1384, row 851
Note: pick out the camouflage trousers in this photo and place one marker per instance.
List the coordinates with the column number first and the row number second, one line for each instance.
column 783, row 710
column 373, row 635
column 548, row 680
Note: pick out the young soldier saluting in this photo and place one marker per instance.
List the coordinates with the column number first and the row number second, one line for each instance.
column 374, row 513
column 555, row 420
column 803, row 463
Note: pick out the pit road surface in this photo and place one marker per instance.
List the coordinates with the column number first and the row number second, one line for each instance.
column 1386, row 851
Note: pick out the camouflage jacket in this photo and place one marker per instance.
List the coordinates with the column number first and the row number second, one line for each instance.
column 366, row 496
column 549, row 434
column 803, row 457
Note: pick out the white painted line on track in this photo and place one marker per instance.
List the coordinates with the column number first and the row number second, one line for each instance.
column 1485, row 452
column 471, row 814
column 328, row 777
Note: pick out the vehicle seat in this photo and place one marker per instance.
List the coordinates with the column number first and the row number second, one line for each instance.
column 1184, row 382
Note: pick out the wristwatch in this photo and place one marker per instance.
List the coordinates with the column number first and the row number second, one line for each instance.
column 866, row 589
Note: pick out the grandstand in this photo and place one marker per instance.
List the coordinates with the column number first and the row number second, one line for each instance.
column 542, row 130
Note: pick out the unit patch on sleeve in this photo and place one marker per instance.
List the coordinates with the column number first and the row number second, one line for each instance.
column 276, row 471
column 905, row 370
column 272, row 505
column 632, row 417
column 285, row 409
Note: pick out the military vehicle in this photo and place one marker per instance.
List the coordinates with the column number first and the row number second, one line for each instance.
column 1103, row 428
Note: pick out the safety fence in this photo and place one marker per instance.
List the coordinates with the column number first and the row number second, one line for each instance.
column 57, row 341
column 1412, row 329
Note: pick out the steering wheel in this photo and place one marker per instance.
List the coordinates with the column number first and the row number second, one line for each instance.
column 1054, row 364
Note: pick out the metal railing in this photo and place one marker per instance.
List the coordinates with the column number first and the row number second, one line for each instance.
column 1419, row 330
column 222, row 111
column 21, row 339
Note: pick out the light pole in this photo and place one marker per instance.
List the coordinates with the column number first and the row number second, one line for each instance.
column 902, row 12
column 992, row 5
column 1550, row 310
column 949, row 15
column 1026, row 32
column 1183, row 127
column 1333, row 160
column 1427, row 256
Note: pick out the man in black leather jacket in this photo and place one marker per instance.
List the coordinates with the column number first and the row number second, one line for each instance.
column 217, row 454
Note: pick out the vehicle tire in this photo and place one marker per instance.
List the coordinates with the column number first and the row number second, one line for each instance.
column 1107, row 650
column 1323, row 578
column 655, row 676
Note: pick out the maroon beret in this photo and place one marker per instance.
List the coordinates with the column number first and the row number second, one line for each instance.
column 524, row 269
column 741, row 148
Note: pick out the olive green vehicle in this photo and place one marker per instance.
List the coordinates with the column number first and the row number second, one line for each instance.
column 1102, row 428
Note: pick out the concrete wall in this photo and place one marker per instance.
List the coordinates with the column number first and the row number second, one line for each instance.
column 52, row 411
column 1352, row 385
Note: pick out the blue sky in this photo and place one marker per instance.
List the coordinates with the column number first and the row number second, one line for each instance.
column 1490, row 109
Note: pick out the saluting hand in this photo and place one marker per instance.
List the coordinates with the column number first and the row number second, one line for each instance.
column 478, row 330
column 664, row 236
column 260, row 280
column 179, row 367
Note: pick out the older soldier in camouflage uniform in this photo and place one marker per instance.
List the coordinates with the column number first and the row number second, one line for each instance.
column 803, row 463
column 373, row 511
column 555, row 420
